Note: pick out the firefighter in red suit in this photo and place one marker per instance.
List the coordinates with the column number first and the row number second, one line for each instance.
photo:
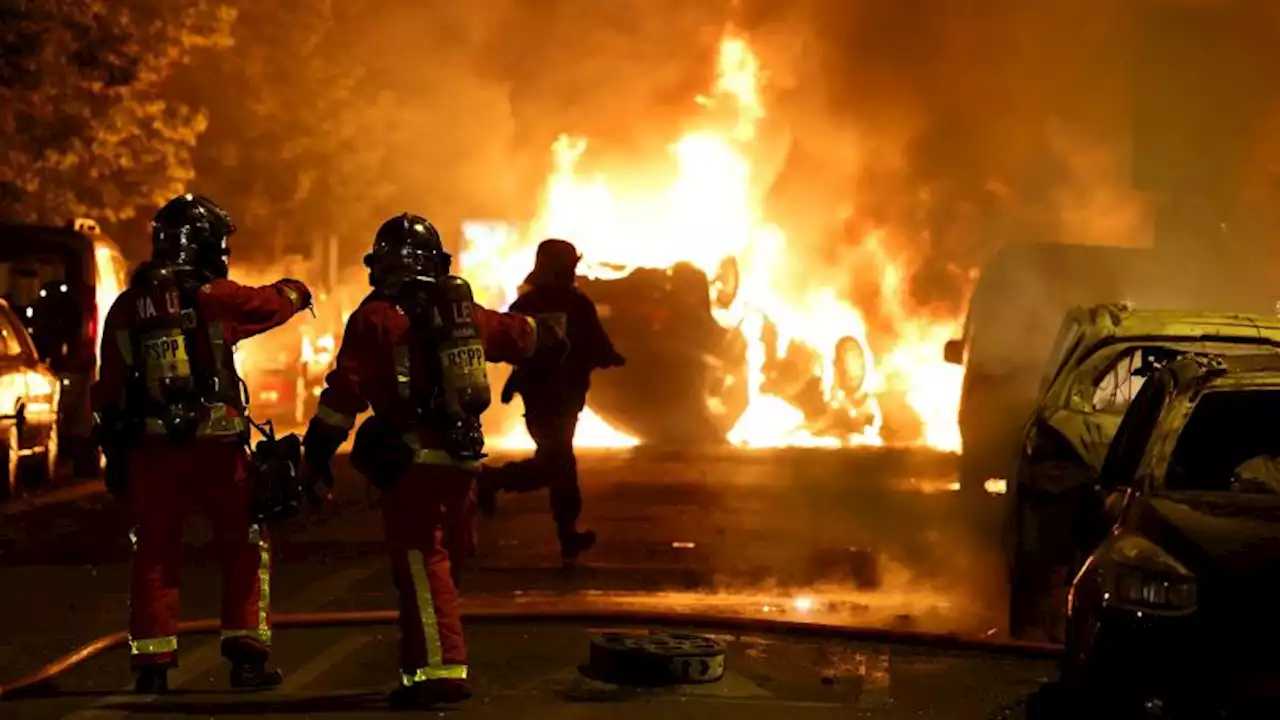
column 170, row 396
column 415, row 352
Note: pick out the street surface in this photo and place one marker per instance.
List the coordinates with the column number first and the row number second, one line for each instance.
column 860, row 538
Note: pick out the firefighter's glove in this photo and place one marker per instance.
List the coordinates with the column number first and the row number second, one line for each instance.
column 318, row 448
column 299, row 294
column 552, row 342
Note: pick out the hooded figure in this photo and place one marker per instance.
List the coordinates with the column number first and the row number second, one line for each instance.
column 554, row 393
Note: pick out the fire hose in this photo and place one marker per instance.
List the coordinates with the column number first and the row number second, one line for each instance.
column 615, row 617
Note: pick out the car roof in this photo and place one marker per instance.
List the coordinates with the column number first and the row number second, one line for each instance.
column 1121, row 320
column 27, row 236
column 1220, row 371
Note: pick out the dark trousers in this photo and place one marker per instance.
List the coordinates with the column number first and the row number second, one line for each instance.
column 552, row 466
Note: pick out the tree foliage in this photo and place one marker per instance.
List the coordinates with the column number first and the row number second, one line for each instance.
column 299, row 140
column 85, row 126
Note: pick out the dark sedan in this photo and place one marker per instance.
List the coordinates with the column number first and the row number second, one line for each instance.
column 29, row 394
column 1175, row 609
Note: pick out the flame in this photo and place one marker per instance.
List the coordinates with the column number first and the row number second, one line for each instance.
column 110, row 278
column 318, row 354
column 704, row 210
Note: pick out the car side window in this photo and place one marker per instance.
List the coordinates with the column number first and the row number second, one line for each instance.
column 1132, row 436
column 10, row 345
column 1120, row 384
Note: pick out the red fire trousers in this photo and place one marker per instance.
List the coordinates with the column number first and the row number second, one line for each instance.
column 162, row 480
column 427, row 516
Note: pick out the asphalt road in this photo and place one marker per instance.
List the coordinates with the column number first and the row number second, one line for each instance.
column 859, row 538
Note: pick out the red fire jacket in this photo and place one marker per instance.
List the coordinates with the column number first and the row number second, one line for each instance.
column 373, row 364
column 230, row 311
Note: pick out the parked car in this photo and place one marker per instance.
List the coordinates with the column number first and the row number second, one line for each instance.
column 686, row 381
column 29, row 395
column 61, row 281
column 1099, row 361
column 1017, row 306
column 1176, row 603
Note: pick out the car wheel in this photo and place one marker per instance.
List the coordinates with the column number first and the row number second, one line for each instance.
column 38, row 470
column 850, row 366
column 724, row 286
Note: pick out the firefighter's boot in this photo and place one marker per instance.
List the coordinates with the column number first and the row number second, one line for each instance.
column 574, row 543
column 254, row 675
column 429, row 694
column 249, row 665
column 152, row 680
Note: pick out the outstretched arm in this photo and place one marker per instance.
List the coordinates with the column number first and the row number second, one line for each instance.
column 507, row 337
column 254, row 310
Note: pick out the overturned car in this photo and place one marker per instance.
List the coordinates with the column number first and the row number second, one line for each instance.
column 688, row 379
column 1102, row 356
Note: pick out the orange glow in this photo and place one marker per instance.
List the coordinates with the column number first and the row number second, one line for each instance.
column 318, row 354
column 110, row 279
column 706, row 209
column 37, row 390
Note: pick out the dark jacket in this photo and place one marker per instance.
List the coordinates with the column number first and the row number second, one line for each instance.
column 551, row 386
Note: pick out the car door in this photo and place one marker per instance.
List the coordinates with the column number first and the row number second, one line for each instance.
column 1103, row 399
column 24, row 383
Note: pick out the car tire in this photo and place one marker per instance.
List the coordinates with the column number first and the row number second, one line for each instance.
column 37, row 471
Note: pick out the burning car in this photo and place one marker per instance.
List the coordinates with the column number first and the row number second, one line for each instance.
column 284, row 372
column 1102, row 357
column 1182, row 577
column 688, row 378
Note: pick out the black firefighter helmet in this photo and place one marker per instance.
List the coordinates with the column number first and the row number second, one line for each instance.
column 407, row 247
column 191, row 232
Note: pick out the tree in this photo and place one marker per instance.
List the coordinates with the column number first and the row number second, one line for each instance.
column 85, row 126
column 299, row 143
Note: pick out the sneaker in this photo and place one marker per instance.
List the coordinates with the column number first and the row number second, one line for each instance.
column 254, row 675
column 152, row 681
column 430, row 693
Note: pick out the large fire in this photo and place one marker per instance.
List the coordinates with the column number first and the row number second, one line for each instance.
column 708, row 211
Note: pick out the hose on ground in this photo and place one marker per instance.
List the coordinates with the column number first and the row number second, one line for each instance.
column 616, row 617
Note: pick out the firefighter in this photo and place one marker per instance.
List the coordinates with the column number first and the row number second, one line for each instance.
column 173, row 426
column 415, row 353
column 554, row 394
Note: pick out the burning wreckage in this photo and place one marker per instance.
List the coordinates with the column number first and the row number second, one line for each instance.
column 733, row 333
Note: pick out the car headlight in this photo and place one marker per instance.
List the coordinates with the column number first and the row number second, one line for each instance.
column 1143, row 578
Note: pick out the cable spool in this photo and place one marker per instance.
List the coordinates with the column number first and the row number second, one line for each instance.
column 656, row 658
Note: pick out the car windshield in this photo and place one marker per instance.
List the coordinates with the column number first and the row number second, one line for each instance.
column 1227, row 446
